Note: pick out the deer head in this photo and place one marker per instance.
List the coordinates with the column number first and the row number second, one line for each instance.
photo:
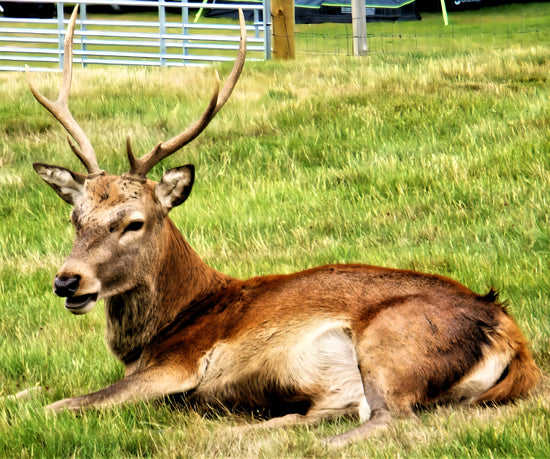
column 119, row 220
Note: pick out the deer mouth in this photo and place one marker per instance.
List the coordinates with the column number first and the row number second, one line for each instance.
column 81, row 304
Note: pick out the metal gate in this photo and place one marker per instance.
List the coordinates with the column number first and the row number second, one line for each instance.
column 151, row 33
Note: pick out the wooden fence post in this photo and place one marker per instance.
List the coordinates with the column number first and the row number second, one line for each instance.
column 282, row 23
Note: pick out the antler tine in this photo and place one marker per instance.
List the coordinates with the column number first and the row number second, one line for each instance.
column 237, row 68
column 140, row 167
column 60, row 108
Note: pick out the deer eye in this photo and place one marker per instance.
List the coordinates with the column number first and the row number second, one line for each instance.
column 134, row 226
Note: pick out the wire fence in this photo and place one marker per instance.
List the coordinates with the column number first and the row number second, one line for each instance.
column 497, row 27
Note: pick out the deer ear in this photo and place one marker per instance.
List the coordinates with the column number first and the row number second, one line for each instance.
column 67, row 184
column 175, row 186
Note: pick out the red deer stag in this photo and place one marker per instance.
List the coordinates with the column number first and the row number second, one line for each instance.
column 334, row 340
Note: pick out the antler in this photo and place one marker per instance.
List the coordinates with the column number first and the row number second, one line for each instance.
column 141, row 166
column 60, row 108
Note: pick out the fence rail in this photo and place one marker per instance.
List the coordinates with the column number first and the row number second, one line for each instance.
column 179, row 37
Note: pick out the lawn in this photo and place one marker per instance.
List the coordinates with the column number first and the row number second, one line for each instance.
column 436, row 160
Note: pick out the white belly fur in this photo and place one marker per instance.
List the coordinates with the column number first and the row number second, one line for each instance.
column 317, row 362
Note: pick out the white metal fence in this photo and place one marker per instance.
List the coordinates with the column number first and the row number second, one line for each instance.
column 179, row 35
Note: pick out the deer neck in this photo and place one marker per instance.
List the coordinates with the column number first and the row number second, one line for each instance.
column 180, row 278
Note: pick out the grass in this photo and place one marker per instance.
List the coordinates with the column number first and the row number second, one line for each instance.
column 436, row 161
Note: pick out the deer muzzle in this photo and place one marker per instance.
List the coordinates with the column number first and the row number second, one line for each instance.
column 68, row 287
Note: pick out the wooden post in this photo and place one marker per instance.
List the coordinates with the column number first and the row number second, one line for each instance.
column 282, row 23
column 359, row 27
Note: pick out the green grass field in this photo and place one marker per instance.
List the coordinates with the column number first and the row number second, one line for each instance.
column 436, row 160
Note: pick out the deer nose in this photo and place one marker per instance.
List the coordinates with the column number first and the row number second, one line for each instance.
column 66, row 286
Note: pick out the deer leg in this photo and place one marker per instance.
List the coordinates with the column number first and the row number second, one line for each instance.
column 294, row 419
column 313, row 416
column 148, row 384
column 280, row 422
column 380, row 418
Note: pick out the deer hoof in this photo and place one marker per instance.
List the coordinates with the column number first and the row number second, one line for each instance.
column 67, row 404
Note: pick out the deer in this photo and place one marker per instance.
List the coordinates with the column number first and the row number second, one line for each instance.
column 369, row 342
